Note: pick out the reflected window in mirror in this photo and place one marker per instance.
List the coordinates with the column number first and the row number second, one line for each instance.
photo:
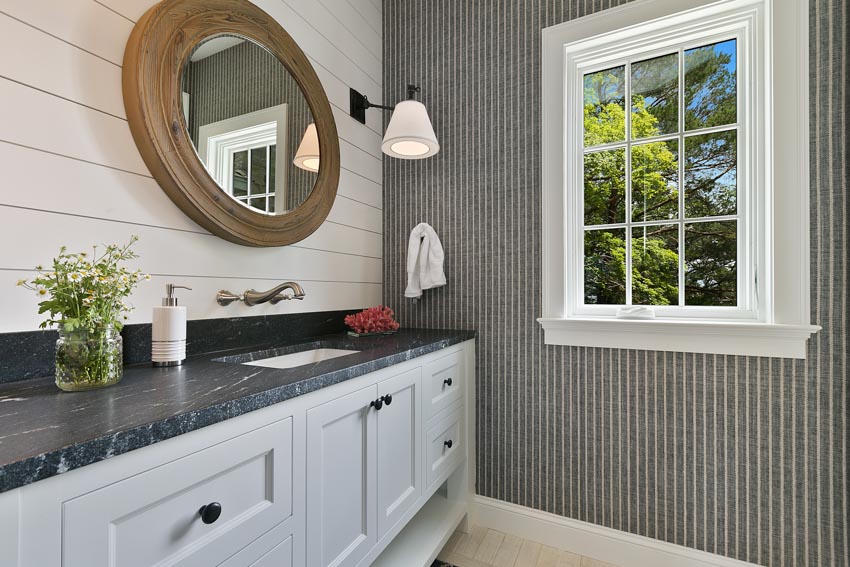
column 246, row 116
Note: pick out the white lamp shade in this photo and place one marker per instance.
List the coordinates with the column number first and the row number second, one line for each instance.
column 410, row 134
column 307, row 156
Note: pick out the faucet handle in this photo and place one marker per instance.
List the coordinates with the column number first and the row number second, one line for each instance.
column 224, row 297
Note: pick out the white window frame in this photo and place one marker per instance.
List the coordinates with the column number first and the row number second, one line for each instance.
column 218, row 141
column 773, row 314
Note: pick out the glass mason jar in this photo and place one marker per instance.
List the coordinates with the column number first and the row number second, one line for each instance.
column 87, row 360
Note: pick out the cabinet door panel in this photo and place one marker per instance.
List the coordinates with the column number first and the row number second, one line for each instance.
column 399, row 448
column 341, row 458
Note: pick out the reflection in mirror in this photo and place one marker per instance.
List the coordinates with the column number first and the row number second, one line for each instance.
column 247, row 118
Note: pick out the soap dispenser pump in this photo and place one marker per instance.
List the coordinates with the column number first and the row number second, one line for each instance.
column 168, row 333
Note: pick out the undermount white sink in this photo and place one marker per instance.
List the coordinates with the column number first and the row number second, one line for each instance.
column 301, row 358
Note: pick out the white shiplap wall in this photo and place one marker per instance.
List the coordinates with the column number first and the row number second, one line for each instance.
column 72, row 174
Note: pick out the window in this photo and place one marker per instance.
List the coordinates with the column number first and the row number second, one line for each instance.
column 243, row 155
column 666, row 215
column 250, row 176
column 661, row 222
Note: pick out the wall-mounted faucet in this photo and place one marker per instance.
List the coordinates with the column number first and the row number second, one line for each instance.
column 254, row 297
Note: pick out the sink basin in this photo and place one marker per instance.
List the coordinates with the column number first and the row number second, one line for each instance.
column 301, row 358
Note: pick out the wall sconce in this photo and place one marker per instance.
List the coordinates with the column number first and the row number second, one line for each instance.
column 409, row 134
column 307, row 156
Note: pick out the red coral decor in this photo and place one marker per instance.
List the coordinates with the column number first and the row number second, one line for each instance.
column 374, row 320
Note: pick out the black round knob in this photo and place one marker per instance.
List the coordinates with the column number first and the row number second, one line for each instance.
column 377, row 404
column 210, row 512
column 388, row 399
column 447, row 381
column 448, row 443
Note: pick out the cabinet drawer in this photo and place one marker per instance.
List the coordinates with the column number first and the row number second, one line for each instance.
column 153, row 518
column 446, row 447
column 258, row 553
column 443, row 382
column 280, row 556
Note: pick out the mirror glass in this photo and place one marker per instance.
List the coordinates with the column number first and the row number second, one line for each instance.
column 250, row 124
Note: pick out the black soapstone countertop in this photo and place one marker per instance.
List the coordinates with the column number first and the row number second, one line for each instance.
column 45, row 432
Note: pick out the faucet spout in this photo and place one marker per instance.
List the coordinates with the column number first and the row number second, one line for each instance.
column 274, row 295
column 253, row 297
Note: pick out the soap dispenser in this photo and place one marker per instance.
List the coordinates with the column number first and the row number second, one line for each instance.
column 168, row 336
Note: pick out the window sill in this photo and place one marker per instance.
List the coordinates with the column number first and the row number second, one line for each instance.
column 712, row 337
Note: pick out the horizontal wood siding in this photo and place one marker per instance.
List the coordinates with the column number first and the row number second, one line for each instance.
column 74, row 177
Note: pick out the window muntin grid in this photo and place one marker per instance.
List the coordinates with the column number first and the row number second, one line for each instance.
column 689, row 120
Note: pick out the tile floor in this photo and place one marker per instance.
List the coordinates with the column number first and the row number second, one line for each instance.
column 488, row 548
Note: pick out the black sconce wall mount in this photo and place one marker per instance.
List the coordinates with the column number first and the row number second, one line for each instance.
column 359, row 103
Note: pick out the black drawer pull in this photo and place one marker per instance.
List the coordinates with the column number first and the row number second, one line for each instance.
column 210, row 512
column 388, row 399
column 377, row 404
column 447, row 381
column 448, row 443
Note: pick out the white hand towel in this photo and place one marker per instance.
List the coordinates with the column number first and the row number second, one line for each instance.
column 424, row 261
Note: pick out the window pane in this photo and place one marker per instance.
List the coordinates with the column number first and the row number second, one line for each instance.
column 259, row 203
column 711, row 263
column 711, row 85
column 258, row 171
column 711, row 174
column 271, row 205
column 605, row 267
column 272, row 167
column 239, row 182
column 605, row 187
column 604, row 106
column 655, row 96
column 655, row 185
column 655, row 265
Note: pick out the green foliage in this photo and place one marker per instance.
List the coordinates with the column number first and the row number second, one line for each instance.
column 710, row 181
column 712, row 278
column 87, row 360
column 655, row 265
column 603, row 123
column 711, row 97
column 605, row 267
column 85, row 292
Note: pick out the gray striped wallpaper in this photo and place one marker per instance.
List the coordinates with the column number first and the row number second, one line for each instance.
column 744, row 457
column 246, row 78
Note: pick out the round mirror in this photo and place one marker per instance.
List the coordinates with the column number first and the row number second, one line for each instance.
column 250, row 124
column 232, row 120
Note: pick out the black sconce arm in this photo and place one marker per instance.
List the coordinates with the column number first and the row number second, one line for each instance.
column 359, row 103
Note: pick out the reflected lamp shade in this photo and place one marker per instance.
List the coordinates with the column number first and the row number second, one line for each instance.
column 410, row 134
column 307, row 156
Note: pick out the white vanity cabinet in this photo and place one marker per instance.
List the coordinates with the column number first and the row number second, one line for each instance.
column 329, row 478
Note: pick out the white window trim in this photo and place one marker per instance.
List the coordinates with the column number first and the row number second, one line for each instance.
column 779, row 324
column 218, row 141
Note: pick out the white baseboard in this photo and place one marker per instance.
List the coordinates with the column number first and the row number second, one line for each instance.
column 590, row 540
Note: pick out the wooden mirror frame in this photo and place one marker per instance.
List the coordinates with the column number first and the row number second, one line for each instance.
column 154, row 61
